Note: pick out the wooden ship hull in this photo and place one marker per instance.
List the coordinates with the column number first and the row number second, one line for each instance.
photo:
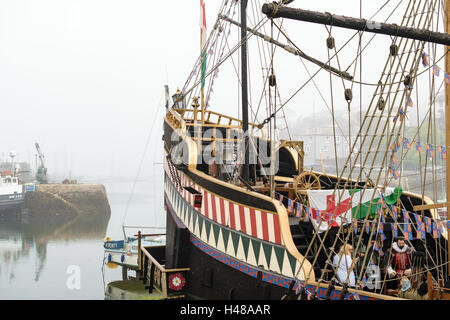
column 231, row 237
column 239, row 244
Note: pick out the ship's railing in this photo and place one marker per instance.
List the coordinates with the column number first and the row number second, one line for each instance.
column 211, row 119
column 170, row 283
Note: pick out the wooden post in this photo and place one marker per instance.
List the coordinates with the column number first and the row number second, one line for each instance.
column 447, row 120
column 139, row 252
column 144, row 280
column 152, row 278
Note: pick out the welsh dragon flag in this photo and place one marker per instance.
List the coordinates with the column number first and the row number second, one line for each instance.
column 203, row 37
column 355, row 204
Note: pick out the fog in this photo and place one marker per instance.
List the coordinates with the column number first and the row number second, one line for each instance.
column 85, row 78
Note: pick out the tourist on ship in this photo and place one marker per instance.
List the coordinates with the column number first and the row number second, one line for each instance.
column 344, row 265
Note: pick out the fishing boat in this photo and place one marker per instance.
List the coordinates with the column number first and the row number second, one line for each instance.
column 11, row 192
column 246, row 219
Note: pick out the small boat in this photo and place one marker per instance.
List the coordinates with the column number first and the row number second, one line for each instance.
column 124, row 253
column 11, row 192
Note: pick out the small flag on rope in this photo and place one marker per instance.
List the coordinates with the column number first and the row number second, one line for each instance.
column 418, row 146
column 380, row 232
column 306, row 218
column 442, row 153
column 394, row 172
column 299, row 210
column 395, row 146
column 436, row 70
column 425, row 61
column 378, row 249
column 429, row 150
column 290, row 207
column 428, row 224
column 394, row 160
column 406, row 143
column 440, row 228
column 394, row 228
column 435, row 231
column 368, row 227
column 363, row 281
column 447, row 78
column 420, row 227
column 410, row 104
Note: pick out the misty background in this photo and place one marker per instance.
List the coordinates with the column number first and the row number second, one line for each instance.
column 85, row 79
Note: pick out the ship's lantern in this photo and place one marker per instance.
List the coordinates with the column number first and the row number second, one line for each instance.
column 179, row 100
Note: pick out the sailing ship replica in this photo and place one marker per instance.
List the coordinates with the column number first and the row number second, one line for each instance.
column 246, row 220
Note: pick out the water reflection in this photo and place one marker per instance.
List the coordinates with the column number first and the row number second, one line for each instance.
column 23, row 237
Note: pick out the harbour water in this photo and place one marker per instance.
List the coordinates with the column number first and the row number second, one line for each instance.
column 65, row 261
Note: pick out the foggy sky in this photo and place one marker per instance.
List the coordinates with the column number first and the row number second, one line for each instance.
column 85, row 78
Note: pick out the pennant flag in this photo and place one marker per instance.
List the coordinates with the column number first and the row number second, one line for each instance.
column 395, row 146
column 425, row 61
column 442, row 153
column 436, row 234
column 436, row 70
column 355, row 204
column 203, row 40
column 368, row 227
column 406, row 143
column 306, row 218
column 447, row 78
column 378, row 249
column 428, row 224
column 299, row 210
column 408, row 233
column 410, row 104
column 290, row 207
column 420, row 227
column 418, row 146
column 394, row 160
column 440, row 228
column 363, row 281
column 394, row 228
column 380, row 231
column 429, row 150
column 394, row 172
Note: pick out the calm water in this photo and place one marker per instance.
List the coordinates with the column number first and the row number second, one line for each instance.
column 38, row 259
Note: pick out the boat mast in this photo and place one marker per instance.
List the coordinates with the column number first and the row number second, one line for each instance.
column 447, row 122
column 245, row 166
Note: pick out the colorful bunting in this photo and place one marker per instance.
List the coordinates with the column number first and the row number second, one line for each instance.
column 429, row 150
column 425, row 59
column 406, row 143
column 418, row 146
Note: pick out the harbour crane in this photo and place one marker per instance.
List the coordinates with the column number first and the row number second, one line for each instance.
column 41, row 172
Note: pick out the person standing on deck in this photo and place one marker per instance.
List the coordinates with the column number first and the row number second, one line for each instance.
column 399, row 259
column 345, row 265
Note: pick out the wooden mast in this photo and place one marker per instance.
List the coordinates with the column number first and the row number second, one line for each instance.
column 447, row 121
column 245, row 166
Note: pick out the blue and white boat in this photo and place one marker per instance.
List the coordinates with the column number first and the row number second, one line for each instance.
column 12, row 193
column 125, row 252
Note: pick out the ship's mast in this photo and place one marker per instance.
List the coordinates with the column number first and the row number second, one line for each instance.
column 245, row 166
column 447, row 120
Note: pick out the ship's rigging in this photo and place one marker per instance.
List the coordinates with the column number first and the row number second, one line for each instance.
column 372, row 164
